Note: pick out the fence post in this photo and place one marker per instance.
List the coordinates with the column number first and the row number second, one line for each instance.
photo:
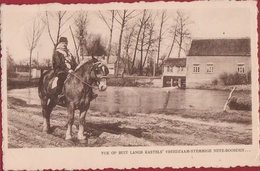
column 230, row 95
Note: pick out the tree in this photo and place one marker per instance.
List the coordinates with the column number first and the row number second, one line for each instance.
column 60, row 19
column 81, row 23
column 150, row 42
column 10, row 64
column 110, row 24
column 35, row 63
column 95, row 45
column 183, row 33
column 173, row 34
column 128, row 44
column 33, row 34
column 46, row 62
column 142, row 23
column 123, row 17
column 162, row 22
column 142, row 46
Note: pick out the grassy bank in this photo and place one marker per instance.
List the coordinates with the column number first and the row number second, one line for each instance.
column 246, row 87
column 243, row 117
column 103, row 129
column 131, row 81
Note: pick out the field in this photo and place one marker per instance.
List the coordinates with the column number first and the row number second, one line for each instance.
column 161, row 128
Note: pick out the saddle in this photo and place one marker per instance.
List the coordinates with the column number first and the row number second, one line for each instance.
column 53, row 87
column 54, row 82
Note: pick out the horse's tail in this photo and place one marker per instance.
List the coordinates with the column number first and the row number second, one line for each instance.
column 41, row 86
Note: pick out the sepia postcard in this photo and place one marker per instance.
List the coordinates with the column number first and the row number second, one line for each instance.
column 130, row 85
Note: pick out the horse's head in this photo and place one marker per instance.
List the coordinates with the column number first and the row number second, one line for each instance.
column 99, row 71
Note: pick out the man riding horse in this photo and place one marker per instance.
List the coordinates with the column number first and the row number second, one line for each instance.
column 63, row 64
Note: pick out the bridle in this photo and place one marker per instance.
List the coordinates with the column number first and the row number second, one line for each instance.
column 96, row 64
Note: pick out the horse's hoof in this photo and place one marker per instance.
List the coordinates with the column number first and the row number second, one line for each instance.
column 83, row 141
column 82, row 137
column 68, row 137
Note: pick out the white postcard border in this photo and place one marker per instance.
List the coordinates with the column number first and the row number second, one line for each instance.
column 96, row 158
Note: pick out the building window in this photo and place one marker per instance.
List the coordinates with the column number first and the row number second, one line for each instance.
column 171, row 69
column 210, row 68
column 168, row 68
column 180, row 69
column 196, row 68
column 241, row 68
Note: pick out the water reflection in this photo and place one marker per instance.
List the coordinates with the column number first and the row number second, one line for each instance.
column 143, row 100
column 147, row 100
column 30, row 95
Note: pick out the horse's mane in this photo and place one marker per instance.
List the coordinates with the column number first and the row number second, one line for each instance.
column 83, row 62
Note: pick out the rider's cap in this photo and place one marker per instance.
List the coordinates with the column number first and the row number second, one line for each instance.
column 63, row 39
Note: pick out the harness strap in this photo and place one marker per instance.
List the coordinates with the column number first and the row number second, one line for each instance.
column 80, row 80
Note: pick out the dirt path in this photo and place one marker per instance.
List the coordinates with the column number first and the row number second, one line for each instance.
column 120, row 129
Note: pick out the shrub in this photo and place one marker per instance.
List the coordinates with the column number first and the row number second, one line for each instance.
column 215, row 82
column 249, row 77
column 234, row 79
column 236, row 103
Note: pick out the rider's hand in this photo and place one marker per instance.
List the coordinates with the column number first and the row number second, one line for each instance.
column 70, row 71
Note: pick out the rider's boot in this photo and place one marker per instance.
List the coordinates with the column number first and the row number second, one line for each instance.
column 59, row 93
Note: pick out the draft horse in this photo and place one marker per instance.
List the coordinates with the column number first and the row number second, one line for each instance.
column 77, row 93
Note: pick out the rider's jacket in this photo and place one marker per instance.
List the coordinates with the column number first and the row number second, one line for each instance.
column 62, row 59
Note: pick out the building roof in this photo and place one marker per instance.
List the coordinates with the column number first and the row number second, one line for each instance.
column 220, row 47
column 175, row 62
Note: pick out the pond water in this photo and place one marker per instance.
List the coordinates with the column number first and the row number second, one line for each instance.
column 143, row 100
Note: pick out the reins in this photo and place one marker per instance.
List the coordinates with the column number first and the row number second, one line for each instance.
column 80, row 80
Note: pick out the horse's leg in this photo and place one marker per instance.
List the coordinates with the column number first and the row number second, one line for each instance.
column 46, row 122
column 50, row 107
column 82, row 121
column 71, row 111
column 46, row 111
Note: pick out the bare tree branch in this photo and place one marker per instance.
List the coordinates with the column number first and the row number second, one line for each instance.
column 81, row 25
column 33, row 34
column 103, row 18
column 110, row 26
column 126, row 16
column 142, row 23
column 67, row 19
column 59, row 19
column 183, row 33
column 48, row 27
column 163, row 20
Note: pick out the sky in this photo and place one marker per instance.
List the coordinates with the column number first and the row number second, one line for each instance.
column 218, row 22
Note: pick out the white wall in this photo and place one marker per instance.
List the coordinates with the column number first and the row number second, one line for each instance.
column 175, row 71
column 222, row 64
